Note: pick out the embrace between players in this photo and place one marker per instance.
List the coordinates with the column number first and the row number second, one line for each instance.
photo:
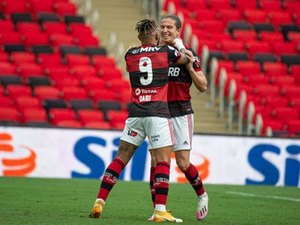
column 160, row 77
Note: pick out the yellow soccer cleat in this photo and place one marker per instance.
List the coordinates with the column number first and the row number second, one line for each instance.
column 97, row 209
column 160, row 216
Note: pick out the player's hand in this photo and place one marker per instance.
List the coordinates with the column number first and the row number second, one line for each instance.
column 190, row 57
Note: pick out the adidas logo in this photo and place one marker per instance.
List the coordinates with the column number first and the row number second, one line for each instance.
column 185, row 143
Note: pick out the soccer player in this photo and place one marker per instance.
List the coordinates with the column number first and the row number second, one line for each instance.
column 181, row 77
column 149, row 116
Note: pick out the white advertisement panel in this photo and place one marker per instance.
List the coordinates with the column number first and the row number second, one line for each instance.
column 72, row 153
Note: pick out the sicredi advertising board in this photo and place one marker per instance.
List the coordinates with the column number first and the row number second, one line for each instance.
column 75, row 153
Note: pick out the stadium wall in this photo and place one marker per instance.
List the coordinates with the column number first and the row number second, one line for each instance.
column 72, row 153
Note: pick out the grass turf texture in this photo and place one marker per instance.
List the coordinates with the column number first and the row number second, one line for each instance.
column 68, row 202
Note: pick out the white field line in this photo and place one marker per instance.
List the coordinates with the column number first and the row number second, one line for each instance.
column 263, row 196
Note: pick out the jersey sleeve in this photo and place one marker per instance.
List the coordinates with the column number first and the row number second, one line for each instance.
column 173, row 54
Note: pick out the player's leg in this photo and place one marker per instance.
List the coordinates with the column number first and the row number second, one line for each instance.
column 183, row 130
column 128, row 145
column 111, row 175
column 160, row 134
column 151, row 179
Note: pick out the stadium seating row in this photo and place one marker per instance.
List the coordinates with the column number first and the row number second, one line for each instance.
column 53, row 71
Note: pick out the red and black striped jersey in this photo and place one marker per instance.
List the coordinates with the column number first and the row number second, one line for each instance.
column 148, row 73
column 180, row 81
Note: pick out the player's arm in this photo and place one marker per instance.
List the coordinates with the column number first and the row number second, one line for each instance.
column 198, row 77
column 181, row 57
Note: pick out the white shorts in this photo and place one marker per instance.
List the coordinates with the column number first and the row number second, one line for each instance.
column 158, row 130
column 183, row 131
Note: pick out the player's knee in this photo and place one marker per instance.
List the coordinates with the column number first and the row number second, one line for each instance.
column 182, row 164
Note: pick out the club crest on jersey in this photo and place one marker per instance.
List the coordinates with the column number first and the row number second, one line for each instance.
column 132, row 133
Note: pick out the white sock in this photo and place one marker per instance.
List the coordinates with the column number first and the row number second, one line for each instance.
column 160, row 207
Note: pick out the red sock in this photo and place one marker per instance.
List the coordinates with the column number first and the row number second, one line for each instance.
column 193, row 177
column 151, row 183
column 161, row 183
column 110, row 178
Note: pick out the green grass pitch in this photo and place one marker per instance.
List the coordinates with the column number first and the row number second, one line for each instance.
column 68, row 201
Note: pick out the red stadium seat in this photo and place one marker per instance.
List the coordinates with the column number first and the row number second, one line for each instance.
column 86, row 116
column 244, row 35
column 28, row 27
column 231, row 45
column 22, row 57
column 279, row 18
column 69, row 123
column 65, row 80
column 290, row 90
column 283, row 80
column 269, row 5
column 110, row 73
column 93, row 83
column 53, row 70
column 65, row 8
column 7, row 26
column 103, row 125
column 30, row 69
column 55, row 28
column 87, row 41
column 103, row 61
column 248, row 67
column 285, row 114
column 271, row 37
column 266, row 89
column 38, row 38
column 61, row 39
column 254, row 47
column 50, row 59
column 284, row 48
column 226, row 15
column 15, row 6
column 245, row 5
column 34, row 114
column 124, row 96
column 1, row 91
column 275, row 101
column 102, row 94
column 58, row 115
column 10, row 37
column 75, row 59
column 83, row 71
column 204, row 14
column 117, row 119
column 18, row 90
column 117, row 85
column 7, row 68
column 218, row 4
column 27, row 102
column 6, row 101
column 293, row 127
column 70, row 93
column 78, row 29
column 274, row 68
column 37, row 6
column 44, row 92
column 294, row 36
column 212, row 26
column 256, row 16
column 9, row 115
